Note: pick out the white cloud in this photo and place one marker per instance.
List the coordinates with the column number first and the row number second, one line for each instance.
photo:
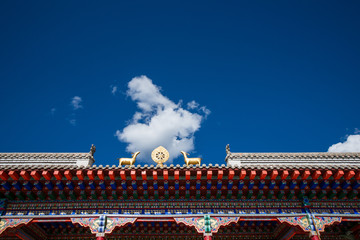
column 192, row 105
column 196, row 106
column 113, row 89
column 159, row 122
column 76, row 102
column 352, row 144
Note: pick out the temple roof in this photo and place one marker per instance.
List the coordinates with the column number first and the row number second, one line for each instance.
column 296, row 160
column 48, row 159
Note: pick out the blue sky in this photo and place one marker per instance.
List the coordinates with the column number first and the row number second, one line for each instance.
column 276, row 77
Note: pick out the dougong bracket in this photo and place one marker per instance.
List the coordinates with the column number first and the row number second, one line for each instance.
column 102, row 224
column 200, row 223
column 6, row 223
column 307, row 224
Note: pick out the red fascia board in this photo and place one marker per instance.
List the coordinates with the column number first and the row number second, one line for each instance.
column 252, row 175
column 198, row 175
column 242, row 174
column 4, row 175
column 166, row 174
column 176, row 175
column 155, row 175
column 220, row 174
column 123, row 175
column 80, row 174
column 46, row 175
column 112, row 174
column 274, row 174
column 57, row 175
column 231, row 174
column 305, row 174
column 284, row 174
column 91, row 174
column 143, row 175
column 101, row 174
column 187, row 175
column 25, row 175
column 133, row 174
column 35, row 175
column 14, row 175
column 68, row 175
column 295, row 175
column 349, row 175
column 316, row 174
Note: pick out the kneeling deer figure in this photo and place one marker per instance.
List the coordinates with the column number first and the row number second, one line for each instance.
column 189, row 161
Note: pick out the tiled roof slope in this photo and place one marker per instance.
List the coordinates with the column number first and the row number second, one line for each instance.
column 302, row 160
column 48, row 159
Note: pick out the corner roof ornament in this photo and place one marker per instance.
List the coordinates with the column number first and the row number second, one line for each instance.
column 92, row 149
column 228, row 149
column 228, row 154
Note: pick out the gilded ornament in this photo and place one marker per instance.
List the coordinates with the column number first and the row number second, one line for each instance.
column 160, row 155
column 189, row 161
column 128, row 161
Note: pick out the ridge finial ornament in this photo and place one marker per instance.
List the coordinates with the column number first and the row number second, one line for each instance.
column 160, row 155
column 92, row 149
column 227, row 149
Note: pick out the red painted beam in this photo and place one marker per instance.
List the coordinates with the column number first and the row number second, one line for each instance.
column 4, row 176
column 133, row 174
column 263, row 174
column 231, row 174
column 327, row 174
column 57, row 175
column 209, row 175
column 91, row 174
column 176, row 175
column 220, row 174
column 25, row 175
column 112, row 174
column 305, row 175
column 242, row 174
column 80, row 174
column 68, row 175
column 274, row 174
column 166, row 174
column 101, row 174
column 316, row 174
column 143, row 175
column 46, row 175
column 349, row 175
column 295, row 175
column 14, row 175
column 252, row 174
column 187, row 175
column 198, row 175
column 284, row 174
column 338, row 174
column 35, row 175
column 155, row 175
column 122, row 175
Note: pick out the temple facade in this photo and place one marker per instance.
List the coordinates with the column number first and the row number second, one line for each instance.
column 272, row 196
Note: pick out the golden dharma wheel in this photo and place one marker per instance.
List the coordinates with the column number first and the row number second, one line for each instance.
column 160, row 155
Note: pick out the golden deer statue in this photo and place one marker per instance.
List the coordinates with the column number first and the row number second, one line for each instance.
column 189, row 161
column 128, row 161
